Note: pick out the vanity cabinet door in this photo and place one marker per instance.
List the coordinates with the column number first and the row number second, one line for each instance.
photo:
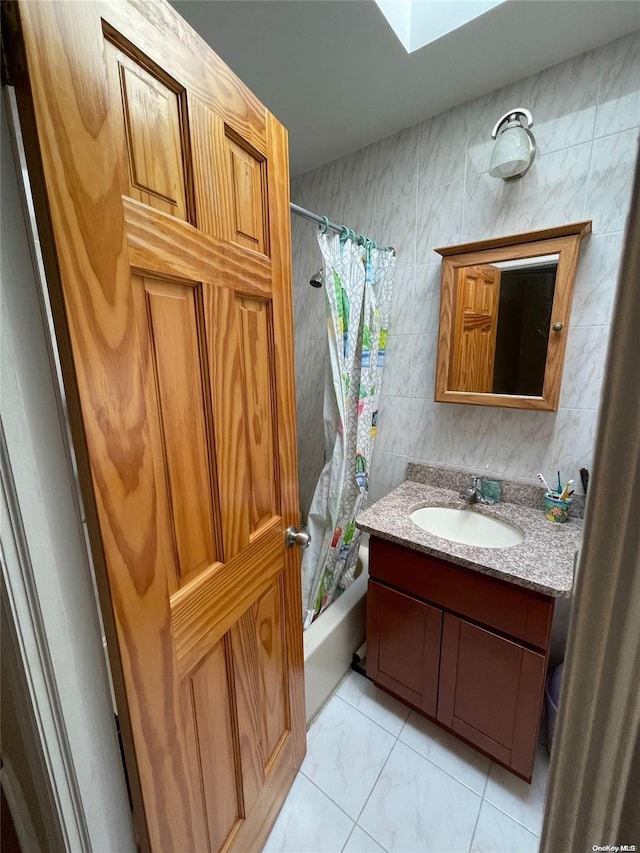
column 403, row 645
column 491, row 692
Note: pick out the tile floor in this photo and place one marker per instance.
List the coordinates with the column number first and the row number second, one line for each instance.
column 378, row 777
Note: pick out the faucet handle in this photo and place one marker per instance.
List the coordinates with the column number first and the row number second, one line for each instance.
column 471, row 492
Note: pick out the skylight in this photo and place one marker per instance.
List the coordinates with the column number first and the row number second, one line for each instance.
column 420, row 22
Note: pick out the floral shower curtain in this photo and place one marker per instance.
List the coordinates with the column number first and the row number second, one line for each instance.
column 358, row 287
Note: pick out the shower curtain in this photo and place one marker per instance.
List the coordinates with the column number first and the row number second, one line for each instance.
column 358, row 287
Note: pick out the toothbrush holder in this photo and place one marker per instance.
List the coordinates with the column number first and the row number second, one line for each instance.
column 555, row 509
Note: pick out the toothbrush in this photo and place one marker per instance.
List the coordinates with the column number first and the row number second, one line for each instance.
column 565, row 491
column 542, row 480
column 559, row 483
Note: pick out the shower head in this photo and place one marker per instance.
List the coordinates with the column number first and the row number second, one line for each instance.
column 316, row 279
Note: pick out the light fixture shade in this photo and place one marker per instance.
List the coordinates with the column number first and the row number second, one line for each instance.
column 512, row 153
column 515, row 146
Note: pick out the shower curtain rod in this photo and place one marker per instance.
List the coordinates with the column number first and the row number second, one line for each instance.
column 331, row 226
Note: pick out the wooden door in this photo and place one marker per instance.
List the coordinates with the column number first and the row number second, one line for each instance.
column 161, row 186
column 474, row 328
column 491, row 692
column 403, row 645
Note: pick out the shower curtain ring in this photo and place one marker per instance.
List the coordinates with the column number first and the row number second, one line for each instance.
column 325, row 224
column 345, row 234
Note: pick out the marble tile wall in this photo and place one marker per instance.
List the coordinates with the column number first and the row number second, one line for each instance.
column 428, row 186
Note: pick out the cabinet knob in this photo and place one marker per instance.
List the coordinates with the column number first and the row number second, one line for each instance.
column 557, row 327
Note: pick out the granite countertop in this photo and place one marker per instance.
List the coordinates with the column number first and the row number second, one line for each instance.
column 543, row 561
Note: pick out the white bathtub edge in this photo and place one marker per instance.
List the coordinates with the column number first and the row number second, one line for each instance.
column 330, row 641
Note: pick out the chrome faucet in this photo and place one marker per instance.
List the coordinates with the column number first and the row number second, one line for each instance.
column 473, row 494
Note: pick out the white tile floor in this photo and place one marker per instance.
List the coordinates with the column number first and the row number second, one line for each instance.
column 379, row 777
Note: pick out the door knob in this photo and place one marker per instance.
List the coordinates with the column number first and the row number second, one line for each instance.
column 293, row 536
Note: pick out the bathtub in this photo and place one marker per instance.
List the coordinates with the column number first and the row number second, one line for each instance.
column 330, row 641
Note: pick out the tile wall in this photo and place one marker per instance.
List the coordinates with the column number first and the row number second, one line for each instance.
column 428, row 186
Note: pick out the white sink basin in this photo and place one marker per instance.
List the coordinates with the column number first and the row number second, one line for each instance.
column 467, row 527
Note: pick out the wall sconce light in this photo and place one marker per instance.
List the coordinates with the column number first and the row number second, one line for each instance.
column 515, row 146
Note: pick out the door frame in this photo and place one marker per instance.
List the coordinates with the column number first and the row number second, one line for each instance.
column 76, row 760
column 592, row 796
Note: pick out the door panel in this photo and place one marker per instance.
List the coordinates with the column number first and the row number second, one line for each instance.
column 169, row 269
column 475, row 326
column 156, row 138
column 485, row 658
column 227, row 369
column 257, row 642
column 271, row 646
column 173, row 330
column 491, row 692
column 403, row 636
column 254, row 318
column 208, row 710
column 246, row 172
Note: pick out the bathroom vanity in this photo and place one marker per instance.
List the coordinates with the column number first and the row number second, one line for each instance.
column 462, row 633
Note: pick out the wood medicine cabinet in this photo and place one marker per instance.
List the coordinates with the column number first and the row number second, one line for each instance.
column 504, row 317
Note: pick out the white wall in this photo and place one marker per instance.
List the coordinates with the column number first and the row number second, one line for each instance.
column 428, row 186
column 49, row 587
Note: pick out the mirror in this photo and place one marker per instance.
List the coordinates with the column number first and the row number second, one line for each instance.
column 501, row 328
column 504, row 316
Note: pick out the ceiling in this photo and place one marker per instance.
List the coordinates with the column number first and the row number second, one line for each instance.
column 334, row 73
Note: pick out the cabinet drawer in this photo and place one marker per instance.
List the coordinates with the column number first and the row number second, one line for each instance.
column 518, row 612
